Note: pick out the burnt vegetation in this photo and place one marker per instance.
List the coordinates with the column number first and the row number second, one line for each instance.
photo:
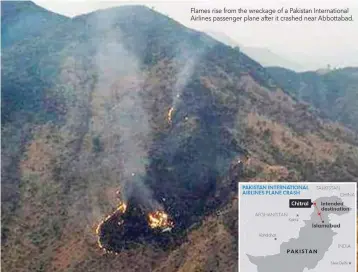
column 185, row 176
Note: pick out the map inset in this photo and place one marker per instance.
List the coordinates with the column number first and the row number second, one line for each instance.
column 297, row 227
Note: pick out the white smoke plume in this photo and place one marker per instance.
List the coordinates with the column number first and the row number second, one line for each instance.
column 187, row 60
column 106, row 111
column 122, row 123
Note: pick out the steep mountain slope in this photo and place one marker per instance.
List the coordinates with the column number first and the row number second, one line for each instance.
column 262, row 55
column 334, row 93
column 62, row 161
column 26, row 29
column 25, row 20
column 103, row 123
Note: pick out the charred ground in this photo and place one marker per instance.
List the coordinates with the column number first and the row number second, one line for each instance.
column 185, row 173
column 123, row 231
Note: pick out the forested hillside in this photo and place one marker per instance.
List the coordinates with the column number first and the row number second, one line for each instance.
column 127, row 105
column 334, row 92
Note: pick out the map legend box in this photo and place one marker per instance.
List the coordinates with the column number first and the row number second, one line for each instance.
column 297, row 227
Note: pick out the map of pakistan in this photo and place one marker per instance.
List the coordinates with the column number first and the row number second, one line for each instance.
column 297, row 227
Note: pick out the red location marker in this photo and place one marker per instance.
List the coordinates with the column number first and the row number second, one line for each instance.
column 314, row 203
column 319, row 213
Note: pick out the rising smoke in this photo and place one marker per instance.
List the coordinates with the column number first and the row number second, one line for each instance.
column 187, row 60
column 122, row 122
column 111, row 111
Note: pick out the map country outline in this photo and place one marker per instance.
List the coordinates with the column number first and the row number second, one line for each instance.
column 312, row 240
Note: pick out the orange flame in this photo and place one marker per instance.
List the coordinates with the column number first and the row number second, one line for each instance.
column 159, row 219
column 121, row 208
column 170, row 114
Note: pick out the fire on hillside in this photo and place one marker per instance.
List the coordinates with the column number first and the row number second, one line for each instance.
column 188, row 182
column 159, row 219
column 170, row 114
column 121, row 209
column 128, row 223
